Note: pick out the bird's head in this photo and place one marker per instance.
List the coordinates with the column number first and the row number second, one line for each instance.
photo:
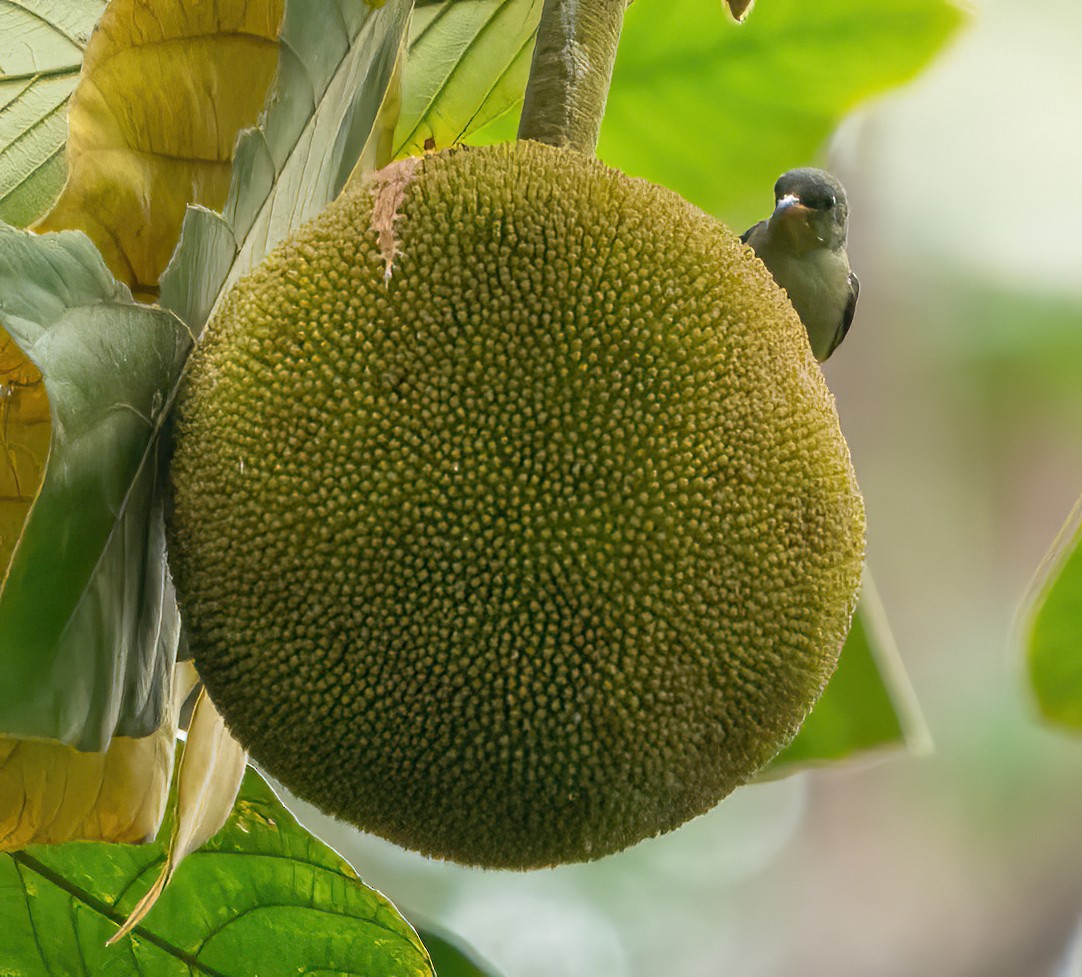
column 810, row 209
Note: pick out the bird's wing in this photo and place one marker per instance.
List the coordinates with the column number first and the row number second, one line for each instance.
column 847, row 315
column 745, row 238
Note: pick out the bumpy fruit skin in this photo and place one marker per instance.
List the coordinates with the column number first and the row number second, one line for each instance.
column 537, row 548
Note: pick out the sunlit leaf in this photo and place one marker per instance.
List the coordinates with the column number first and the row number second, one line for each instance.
column 1055, row 629
column 262, row 897
column 337, row 60
column 88, row 627
column 468, row 64
column 208, row 780
column 868, row 705
column 41, row 50
column 718, row 110
column 166, row 87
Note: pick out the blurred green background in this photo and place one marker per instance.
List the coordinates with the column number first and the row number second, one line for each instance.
column 960, row 391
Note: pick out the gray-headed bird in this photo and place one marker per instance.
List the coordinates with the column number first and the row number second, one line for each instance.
column 802, row 245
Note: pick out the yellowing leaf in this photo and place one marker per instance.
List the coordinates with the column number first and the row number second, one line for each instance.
column 211, row 772
column 209, row 778
column 337, row 62
column 41, row 49
column 25, row 427
column 165, row 89
column 50, row 792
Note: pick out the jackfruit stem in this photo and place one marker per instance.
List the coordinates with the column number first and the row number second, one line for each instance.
column 570, row 74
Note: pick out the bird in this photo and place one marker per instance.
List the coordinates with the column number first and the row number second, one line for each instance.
column 802, row 245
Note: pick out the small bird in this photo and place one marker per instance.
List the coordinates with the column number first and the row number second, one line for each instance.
column 802, row 245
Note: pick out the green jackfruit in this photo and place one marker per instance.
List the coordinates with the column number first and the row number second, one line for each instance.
column 512, row 517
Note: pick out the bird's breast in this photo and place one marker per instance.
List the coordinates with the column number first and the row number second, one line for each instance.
column 818, row 286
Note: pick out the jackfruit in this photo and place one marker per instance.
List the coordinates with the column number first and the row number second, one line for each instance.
column 512, row 520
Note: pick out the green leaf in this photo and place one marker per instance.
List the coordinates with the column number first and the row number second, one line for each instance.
column 41, row 51
column 451, row 956
column 717, row 110
column 88, row 626
column 1054, row 632
column 468, row 64
column 868, row 703
column 336, row 62
column 262, row 897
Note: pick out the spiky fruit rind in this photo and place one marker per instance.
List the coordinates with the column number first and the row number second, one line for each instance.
column 537, row 547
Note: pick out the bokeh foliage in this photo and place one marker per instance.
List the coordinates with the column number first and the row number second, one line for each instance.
column 1054, row 630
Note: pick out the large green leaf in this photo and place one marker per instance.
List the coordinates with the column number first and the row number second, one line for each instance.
column 336, row 63
column 468, row 63
column 262, row 897
column 88, row 625
column 716, row 110
column 1054, row 633
column 41, row 50
column 868, row 704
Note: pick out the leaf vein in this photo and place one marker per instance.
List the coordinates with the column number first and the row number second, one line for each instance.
column 439, row 15
column 103, row 909
column 38, row 166
column 41, row 18
column 30, row 919
column 456, row 70
column 33, row 76
column 496, row 84
column 371, row 921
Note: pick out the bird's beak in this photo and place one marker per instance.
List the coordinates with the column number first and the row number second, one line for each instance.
column 792, row 218
column 790, row 208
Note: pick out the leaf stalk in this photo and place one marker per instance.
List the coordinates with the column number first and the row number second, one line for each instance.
column 570, row 73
